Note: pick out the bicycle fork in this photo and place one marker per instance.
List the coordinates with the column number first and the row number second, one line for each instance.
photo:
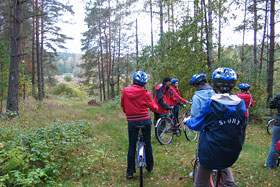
column 141, row 157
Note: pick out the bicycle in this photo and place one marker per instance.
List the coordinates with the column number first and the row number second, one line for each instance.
column 216, row 178
column 269, row 126
column 141, row 157
column 166, row 127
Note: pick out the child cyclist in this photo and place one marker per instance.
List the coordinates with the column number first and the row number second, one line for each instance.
column 135, row 102
column 202, row 94
column 175, row 90
column 222, row 124
column 272, row 158
column 245, row 95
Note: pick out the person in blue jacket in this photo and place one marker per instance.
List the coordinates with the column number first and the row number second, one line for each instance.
column 222, row 123
column 202, row 94
column 272, row 157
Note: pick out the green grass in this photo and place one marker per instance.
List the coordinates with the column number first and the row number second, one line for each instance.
column 103, row 159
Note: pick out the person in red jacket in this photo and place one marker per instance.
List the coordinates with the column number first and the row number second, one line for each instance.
column 135, row 102
column 179, row 100
column 163, row 98
column 245, row 95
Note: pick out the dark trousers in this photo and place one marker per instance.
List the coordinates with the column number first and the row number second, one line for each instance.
column 175, row 112
column 156, row 117
column 133, row 137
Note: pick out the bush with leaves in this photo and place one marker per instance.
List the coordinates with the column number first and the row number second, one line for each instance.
column 68, row 91
column 68, row 78
column 37, row 157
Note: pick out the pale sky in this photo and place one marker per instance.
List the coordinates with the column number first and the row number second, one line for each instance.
column 76, row 29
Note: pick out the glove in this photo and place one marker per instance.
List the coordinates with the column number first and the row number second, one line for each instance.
column 170, row 108
column 186, row 119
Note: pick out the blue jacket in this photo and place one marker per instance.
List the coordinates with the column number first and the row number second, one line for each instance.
column 222, row 124
column 200, row 97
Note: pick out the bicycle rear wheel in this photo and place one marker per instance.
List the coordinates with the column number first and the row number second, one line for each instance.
column 195, row 167
column 269, row 126
column 191, row 135
column 163, row 131
column 213, row 178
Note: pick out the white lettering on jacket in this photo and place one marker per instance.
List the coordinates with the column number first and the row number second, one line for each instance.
column 232, row 121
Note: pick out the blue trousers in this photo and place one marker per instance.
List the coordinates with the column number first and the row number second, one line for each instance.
column 272, row 157
column 133, row 137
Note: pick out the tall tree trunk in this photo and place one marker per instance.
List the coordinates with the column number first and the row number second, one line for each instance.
column 2, row 87
column 33, row 53
column 264, row 36
column 255, row 34
column 209, row 36
column 151, row 17
column 219, row 29
column 161, row 17
column 271, row 51
column 102, row 61
column 243, row 37
column 126, row 74
column 136, row 45
column 99, row 78
column 39, row 68
column 16, row 41
column 119, row 60
column 110, row 51
column 42, row 51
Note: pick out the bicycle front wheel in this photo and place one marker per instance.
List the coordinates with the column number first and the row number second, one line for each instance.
column 163, row 131
column 191, row 135
column 141, row 176
column 269, row 126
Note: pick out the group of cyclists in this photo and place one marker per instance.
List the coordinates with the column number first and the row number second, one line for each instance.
column 219, row 114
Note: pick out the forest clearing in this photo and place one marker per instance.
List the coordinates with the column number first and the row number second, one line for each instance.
column 97, row 156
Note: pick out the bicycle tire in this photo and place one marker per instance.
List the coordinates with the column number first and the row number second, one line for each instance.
column 195, row 167
column 141, row 178
column 191, row 135
column 213, row 179
column 163, row 131
column 269, row 126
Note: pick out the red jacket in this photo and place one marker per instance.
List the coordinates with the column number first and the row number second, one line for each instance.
column 163, row 98
column 176, row 93
column 135, row 102
column 248, row 101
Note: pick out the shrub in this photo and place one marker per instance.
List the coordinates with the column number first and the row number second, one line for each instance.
column 68, row 78
column 68, row 91
column 38, row 157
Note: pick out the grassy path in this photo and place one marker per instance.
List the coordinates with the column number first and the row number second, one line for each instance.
column 103, row 160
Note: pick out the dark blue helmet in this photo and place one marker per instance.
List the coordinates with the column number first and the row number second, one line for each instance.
column 197, row 79
column 224, row 78
column 244, row 86
column 140, row 76
column 174, row 80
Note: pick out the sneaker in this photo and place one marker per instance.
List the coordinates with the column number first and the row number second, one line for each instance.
column 267, row 166
column 129, row 176
column 191, row 175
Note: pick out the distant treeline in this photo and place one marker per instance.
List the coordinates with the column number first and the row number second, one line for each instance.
column 69, row 63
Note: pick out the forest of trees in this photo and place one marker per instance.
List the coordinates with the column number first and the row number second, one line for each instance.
column 190, row 42
column 185, row 38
